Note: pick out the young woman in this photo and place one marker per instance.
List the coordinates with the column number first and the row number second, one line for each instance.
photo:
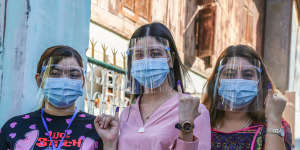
column 161, row 117
column 58, row 124
column 245, row 107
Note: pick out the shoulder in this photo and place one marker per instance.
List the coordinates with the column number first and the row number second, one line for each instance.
column 202, row 108
column 204, row 114
column 18, row 121
column 86, row 116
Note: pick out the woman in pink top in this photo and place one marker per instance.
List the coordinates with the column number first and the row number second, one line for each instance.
column 162, row 117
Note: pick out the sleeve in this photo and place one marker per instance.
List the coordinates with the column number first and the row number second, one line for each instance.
column 202, row 133
column 3, row 137
column 288, row 135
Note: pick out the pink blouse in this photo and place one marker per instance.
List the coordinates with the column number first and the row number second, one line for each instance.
column 159, row 132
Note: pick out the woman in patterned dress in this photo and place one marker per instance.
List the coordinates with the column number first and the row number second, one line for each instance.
column 245, row 113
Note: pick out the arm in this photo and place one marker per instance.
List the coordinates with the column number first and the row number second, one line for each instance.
column 273, row 141
column 275, row 104
column 200, row 138
column 108, row 128
column 110, row 146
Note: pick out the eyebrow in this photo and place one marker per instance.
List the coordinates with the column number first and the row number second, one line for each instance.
column 138, row 51
column 230, row 69
column 248, row 70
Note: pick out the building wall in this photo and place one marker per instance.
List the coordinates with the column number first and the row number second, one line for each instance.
column 237, row 22
column 278, row 41
column 31, row 27
column 294, row 72
column 293, row 85
column 111, row 40
column 297, row 94
column 109, row 14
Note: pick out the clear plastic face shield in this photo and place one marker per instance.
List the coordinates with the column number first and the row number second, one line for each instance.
column 149, row 63
column 238, row 85
column 62, row 80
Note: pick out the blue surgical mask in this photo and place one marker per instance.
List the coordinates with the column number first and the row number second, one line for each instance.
column 62, row 92
column 150, row 72
column 238, row 92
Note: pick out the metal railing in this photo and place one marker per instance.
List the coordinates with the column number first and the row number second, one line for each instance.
column 105, row 85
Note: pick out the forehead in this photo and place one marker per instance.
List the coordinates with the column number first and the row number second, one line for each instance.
column 68, row 61
column 145, row 41
column 238, row 61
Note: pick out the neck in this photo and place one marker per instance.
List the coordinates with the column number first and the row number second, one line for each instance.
column 161, row 93
column 50, row 109
column 236, row 116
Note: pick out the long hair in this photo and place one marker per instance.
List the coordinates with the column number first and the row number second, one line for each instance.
column 158, row 30
column 249, row 54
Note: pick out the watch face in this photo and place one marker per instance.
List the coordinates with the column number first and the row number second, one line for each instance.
column 281, row 132
column 187, row 126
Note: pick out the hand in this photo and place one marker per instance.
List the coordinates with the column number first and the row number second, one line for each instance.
column 188, row 111
column 188, row 107
column 108, row 127
column 275, row 104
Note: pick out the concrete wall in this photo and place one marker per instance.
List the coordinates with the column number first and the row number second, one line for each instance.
column 31, row 27
column 277, row 41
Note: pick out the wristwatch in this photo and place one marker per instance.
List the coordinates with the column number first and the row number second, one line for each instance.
column 277, row 131
column 186, row 126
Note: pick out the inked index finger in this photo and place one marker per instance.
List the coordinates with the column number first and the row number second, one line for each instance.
column 117, row 113
column 179, row 87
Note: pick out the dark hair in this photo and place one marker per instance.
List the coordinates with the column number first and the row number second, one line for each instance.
column 249, row 54
column 59, row 50
column 158, row 30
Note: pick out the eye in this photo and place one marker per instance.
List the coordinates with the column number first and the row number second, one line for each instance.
column 154, row 53
column 55, row 73
column 138, row 55
column 75, row 74
column 229, row 74
column 248, row 74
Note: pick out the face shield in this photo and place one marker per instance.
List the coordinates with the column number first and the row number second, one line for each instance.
column 237, row 86
column 61, row 81
column 149, row 64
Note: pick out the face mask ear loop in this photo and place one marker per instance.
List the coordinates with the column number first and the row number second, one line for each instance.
column 217, row 80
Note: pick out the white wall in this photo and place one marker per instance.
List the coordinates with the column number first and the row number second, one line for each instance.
column 31, row 27
column 111, row 40
column 294, row 74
